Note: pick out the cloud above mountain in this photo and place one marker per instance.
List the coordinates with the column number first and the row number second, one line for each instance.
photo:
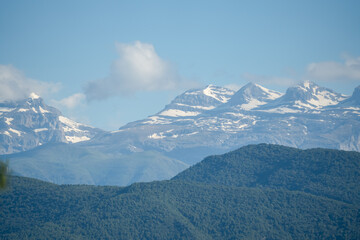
column 15, row 85
column 335, row 71
column 71, row 102
column 327, row 71
column 138, row 68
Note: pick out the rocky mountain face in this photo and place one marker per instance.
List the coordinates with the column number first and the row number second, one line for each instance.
column 214, row 120
column 29, row 123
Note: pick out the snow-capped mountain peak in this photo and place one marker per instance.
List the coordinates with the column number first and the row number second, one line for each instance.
column 197, row 101
column 306, row 96
column 251, row 96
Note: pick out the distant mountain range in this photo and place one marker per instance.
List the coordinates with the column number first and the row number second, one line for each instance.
column 214, row 120
column 197, row 123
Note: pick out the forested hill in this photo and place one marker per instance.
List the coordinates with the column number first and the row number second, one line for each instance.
column 323, row 172
column 279, row 196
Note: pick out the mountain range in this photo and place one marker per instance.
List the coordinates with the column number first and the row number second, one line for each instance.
column 215, row 120
column 197, row 123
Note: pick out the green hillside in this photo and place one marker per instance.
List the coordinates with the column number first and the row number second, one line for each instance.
column 194, row 205
column 324, row 172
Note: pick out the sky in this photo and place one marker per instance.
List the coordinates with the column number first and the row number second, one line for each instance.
column 107, row 63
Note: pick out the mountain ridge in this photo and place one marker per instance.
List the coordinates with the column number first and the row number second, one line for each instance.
column 314, row 118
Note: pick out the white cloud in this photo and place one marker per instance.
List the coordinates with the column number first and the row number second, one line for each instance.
column 335, row 71
column 72, row 101
column 14, row 85
column 280, row 81
column 138, row 68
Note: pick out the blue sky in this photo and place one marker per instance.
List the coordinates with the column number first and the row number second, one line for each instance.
column 107, row 63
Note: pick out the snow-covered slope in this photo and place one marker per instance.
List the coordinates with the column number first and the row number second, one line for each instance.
column 28, row 123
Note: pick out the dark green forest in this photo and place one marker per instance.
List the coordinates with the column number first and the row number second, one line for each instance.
column 256, row 192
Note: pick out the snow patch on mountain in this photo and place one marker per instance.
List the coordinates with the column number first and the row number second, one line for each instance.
column 40, row 130
column 7, row 133
column 156, row 120
column 43, row 110
column 15, row 131
column 6, row 109
column 178, row 113
column 76, row 139
column 157, row 136
column 8, row 120
column 196, row 107
column 281, row 110
column 34, row 96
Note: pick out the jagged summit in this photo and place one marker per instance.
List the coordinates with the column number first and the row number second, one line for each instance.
column 32, row 104
column 29, row 122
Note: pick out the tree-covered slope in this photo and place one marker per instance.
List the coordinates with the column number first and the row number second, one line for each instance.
column 257, row 192
column 170, row 210
column 324, row 172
